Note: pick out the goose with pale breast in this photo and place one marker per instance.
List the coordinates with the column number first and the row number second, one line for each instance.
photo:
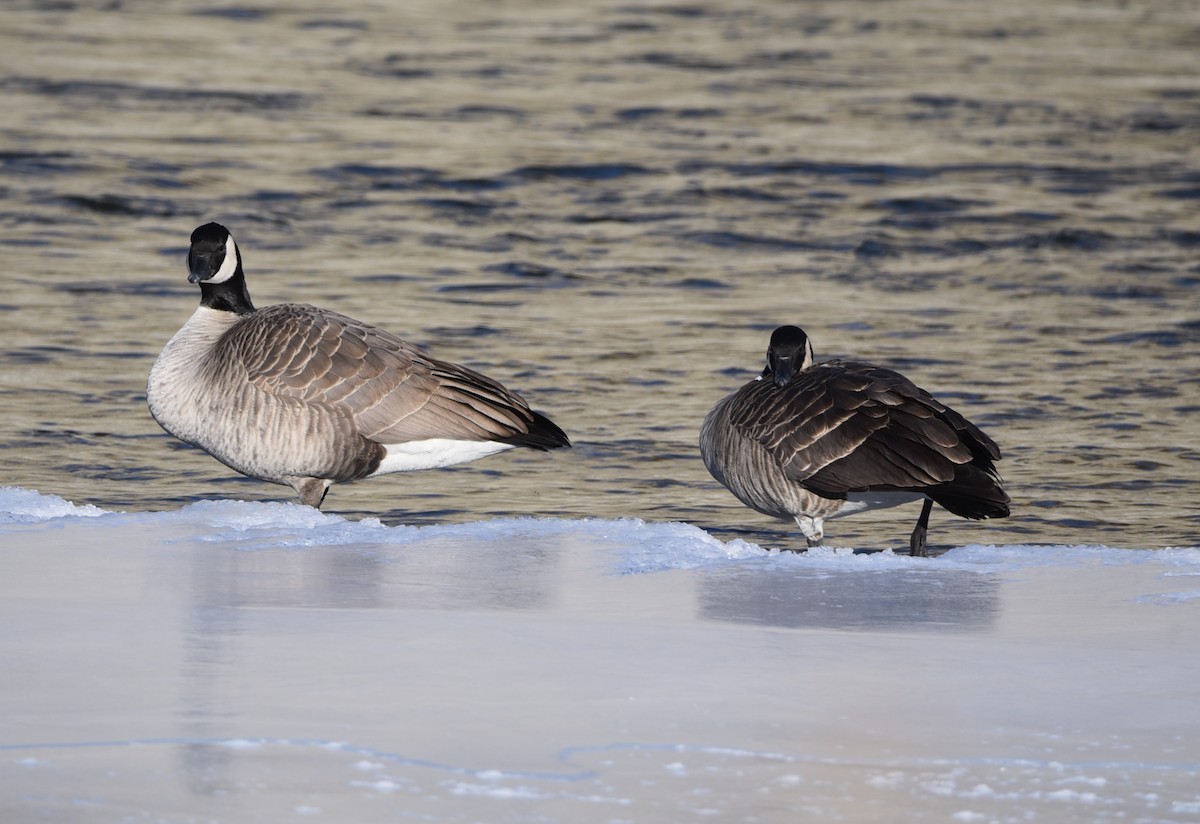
column 811, row 441
column 306, row 397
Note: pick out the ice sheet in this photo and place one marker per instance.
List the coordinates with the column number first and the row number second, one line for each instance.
column 243, row 661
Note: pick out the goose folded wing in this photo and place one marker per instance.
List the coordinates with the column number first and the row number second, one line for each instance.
column 460, row 403
column 911, row 442
column 393, row 391
column 823, row 415
column 911, row 452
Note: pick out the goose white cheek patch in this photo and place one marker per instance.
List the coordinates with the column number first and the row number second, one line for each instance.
column 229, row 265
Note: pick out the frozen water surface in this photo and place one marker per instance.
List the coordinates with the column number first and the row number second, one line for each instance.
column 234, row 662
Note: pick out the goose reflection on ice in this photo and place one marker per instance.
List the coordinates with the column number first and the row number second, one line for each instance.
column 900, row 600
column 247, row 604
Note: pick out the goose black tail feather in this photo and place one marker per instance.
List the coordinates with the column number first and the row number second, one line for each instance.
column 974, row 493
column 543, row 435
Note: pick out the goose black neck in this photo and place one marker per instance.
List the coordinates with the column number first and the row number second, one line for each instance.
column 228, row 296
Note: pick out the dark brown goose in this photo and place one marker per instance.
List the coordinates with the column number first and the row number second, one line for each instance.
column 809, row 441
column 302, row 396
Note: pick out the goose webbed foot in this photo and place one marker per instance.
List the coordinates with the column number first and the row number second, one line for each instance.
column 311, row 491
column 809, row 543
column 917, row 545
column 813, row 529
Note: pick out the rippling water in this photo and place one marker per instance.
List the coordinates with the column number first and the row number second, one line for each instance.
column 607, row 206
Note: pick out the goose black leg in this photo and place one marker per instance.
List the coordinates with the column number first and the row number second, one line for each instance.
column 916, row 543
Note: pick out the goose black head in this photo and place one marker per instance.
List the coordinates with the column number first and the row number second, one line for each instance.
column 215, row 263
column 213, row 256
column 790, row 352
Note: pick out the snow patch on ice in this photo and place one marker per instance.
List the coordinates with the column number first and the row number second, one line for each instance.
column 979, row 791
column 992, row 558
column 634, row 546
column 657, row 547
column 28, row 506
column 1091, row 781
column 888, row 781
column 491, row 791
column 1073, row 796
column 1168, row 598
column 258, row 526
column 383, row 785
